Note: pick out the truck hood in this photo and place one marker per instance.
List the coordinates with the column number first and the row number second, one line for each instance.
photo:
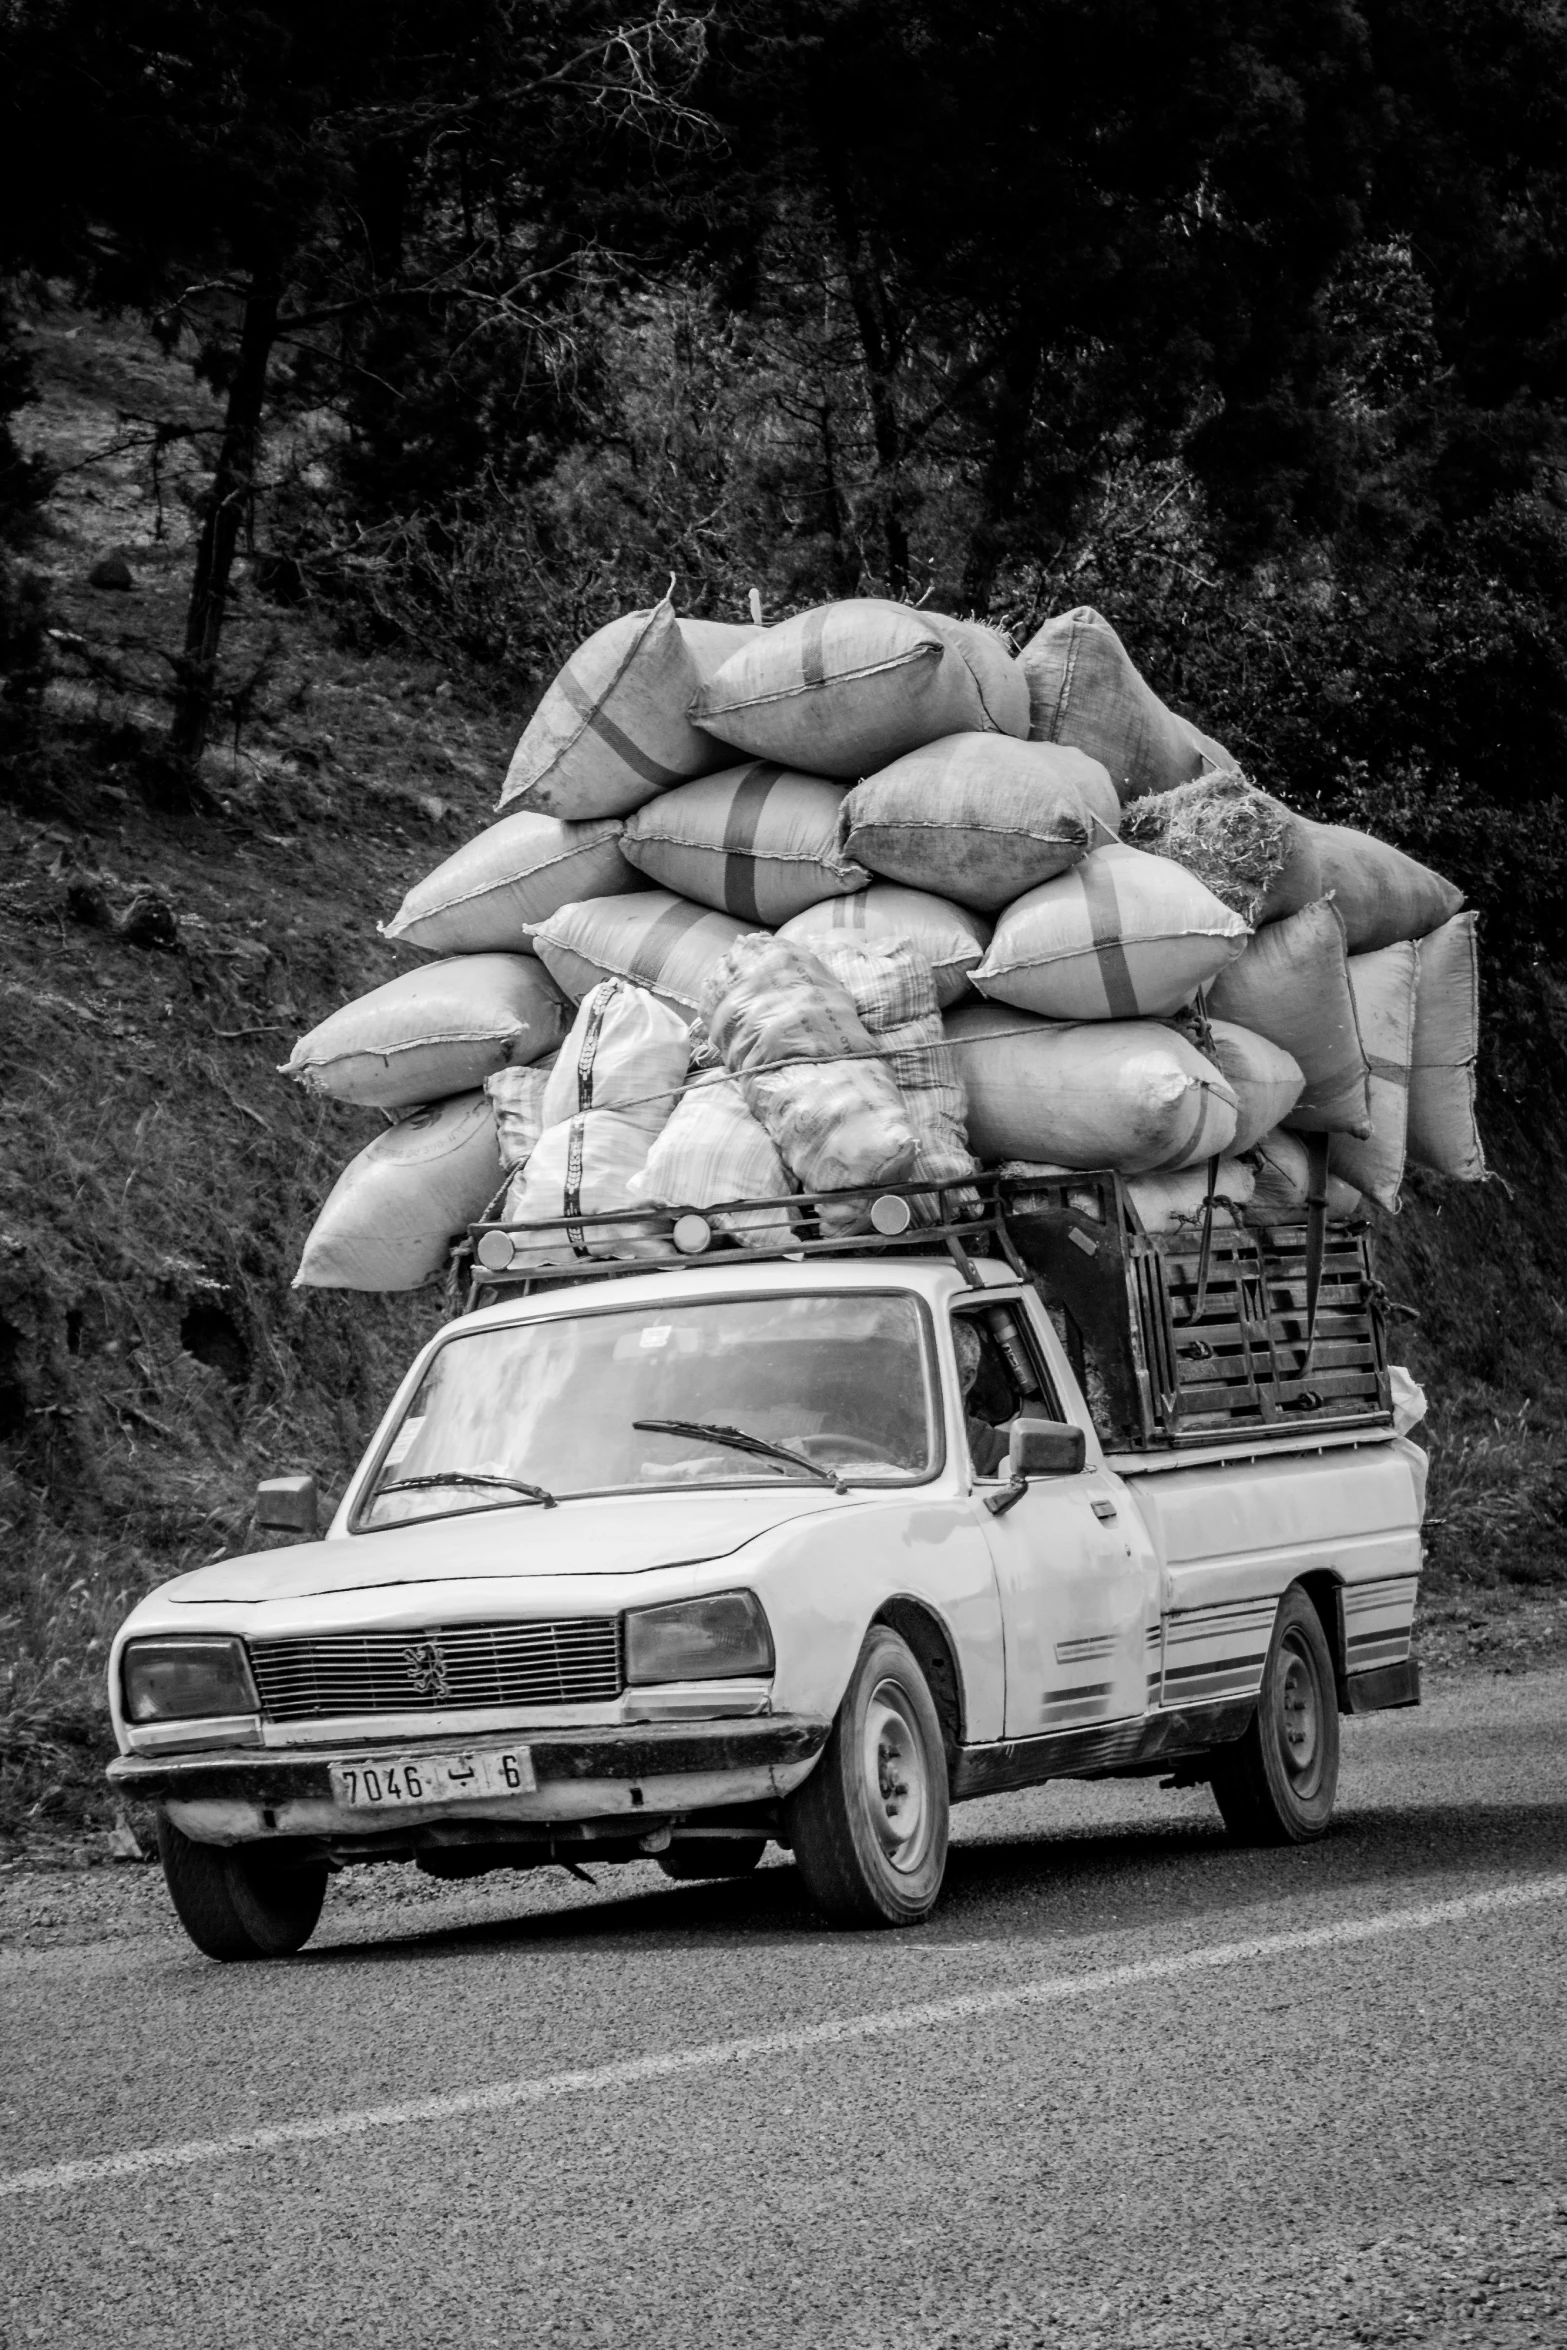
column 620, row 1534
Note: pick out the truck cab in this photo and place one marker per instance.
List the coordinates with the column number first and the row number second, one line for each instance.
column 673, row 1562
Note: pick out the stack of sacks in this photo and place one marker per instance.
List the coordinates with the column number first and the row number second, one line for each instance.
column 608, row 1098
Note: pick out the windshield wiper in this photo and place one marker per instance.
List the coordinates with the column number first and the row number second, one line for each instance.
column 467, row 1477
column 739, row 1441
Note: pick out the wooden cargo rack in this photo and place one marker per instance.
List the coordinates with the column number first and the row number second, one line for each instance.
column 1178, row 1340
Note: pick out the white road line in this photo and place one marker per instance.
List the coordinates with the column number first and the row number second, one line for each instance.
column 631, row 2072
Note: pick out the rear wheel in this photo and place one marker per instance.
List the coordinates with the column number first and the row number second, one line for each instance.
column 695, row 1857
column 1277, row 1784
column 869, row 1826
column 241, row 1901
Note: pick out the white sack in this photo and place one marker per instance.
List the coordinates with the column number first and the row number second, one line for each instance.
column 517, row 1098
column 1176, row 1203
column 1282, row 1192
column 1442, row 1129
column 1123, row 936
column 585, row 1166
column 1132, row 1094
column 492, row 889
column 895, row 996
column 432, row 1032
column 1266, row 1080
column 714, row 1150
column 626, row 1052
column 1384, row 991
column 393, row 1213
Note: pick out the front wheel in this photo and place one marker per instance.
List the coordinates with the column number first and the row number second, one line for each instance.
column 241, row 1901
column 1277, row 1784
column 869, row 1826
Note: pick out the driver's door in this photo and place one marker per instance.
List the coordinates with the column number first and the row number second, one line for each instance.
column 1079, row 1592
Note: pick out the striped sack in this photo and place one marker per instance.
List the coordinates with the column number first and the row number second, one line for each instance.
column 845, row 688
column 713, row 1150
column 1384, row 990
column 626, row 1052
column 613, row 727
column 1123, row 936
column 758, row 842
column 517, row 1098
column 662, row 942
column 948, row 939
column 490, row 892
column 585, row 1166
column 1291, row 985
column 1442, row 1129
column 980, row 817
column 1132, row 1094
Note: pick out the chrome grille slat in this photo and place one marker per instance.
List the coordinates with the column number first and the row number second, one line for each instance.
column 574, row 1661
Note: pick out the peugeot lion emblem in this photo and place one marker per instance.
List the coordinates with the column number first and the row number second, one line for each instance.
column 426, row 1668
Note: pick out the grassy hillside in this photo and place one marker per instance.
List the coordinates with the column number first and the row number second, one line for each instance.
column 157, row 1176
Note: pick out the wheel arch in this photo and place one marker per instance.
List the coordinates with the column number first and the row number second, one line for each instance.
column 936, row 1654
column 1325, row 1590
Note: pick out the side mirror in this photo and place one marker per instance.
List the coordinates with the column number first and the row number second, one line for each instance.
column 288, row 1504
column 1046, row 1448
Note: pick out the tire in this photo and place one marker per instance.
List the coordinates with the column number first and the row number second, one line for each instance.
column 695, row 1857
column 869, row 1826
column 241, row 1901
column 1277, row 1784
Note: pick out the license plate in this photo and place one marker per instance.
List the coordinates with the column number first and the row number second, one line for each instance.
column 400, row 1779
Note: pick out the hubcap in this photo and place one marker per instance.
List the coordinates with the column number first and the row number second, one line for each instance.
column 1300, row 1711
column 897, row 1787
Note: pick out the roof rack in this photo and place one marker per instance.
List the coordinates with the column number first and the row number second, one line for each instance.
column 502, row 1257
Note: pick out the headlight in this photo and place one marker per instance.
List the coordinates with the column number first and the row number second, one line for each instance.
column 698, row 1640
column 171, row 1680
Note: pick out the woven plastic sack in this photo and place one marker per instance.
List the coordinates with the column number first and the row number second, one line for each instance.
column 1133, row 1095
column 1248, row 848
column 895, row 996
column 489, row 893
column 808, row 1068
column 843, row 689
column 1383, row 897
column 1442, row 1129
column 614, row 728
column 626, row 1052
column 1291, row 985
column 393, row 1213
column 758, row 842
column 1084, row 688
column 948, row 939
column 584, row 1166
column 714, row 1150
column 1123, row 936
column 980, row 817
column 1265, row 1080
column 1384, row 990
column 660, row 941
column 1282, row 1190
column 1176, row 1203
column 517, row 1098
column 429, row 1033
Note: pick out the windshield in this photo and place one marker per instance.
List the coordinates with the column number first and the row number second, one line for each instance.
column 535, row 1412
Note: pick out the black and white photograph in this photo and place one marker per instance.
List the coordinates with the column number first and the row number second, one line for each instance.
column 783, row 1174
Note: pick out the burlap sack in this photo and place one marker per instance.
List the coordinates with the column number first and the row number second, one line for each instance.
column 1291, row 985
column 489, row 893
column 713, row 1150
column 1123, row 936
column 1132, row 1095
column 390, row 1218
column 758, row 842
column 1384, row 990
column 979, row 817
column 659, row 941
column 1382, row 896
column 1442, row 1129
column 1084, row 688
column 439, row 1030
column 949, row 939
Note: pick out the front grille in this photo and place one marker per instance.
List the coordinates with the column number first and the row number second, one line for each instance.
column 449, row 1668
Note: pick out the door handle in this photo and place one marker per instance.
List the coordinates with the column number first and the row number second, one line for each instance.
column 1104, row 1511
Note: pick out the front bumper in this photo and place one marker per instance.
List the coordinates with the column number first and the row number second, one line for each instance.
column 642, row 1772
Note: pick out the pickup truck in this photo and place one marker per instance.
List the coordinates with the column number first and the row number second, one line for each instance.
column 801, row 1544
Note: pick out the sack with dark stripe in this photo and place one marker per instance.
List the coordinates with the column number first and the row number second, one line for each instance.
column 1085, row 688
column 845, row 688
column 614, row 728
column 626, row 1052
column 809, row 1070
column 491, row 890
column 1383, row 985
column 390, row 1218
column 585, row 1166
column 1442, row 1129
column 948, row 939
column 1123, row 936
column 432, row 1032
column 1132, row 1095
column 980, row 817
column 759, row 842
column 662, row 942
column 1291, row 985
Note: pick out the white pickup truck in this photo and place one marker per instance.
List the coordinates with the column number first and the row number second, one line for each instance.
column 675, row 1561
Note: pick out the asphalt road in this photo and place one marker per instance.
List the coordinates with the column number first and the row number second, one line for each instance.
column 1128, row 2087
